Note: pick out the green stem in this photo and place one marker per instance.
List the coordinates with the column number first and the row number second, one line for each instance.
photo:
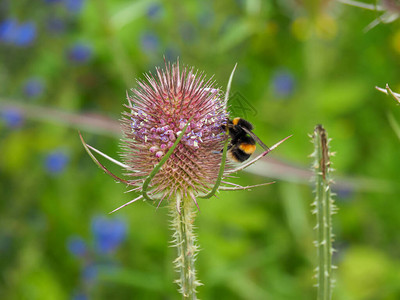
column 324, row 208
column 184, row 240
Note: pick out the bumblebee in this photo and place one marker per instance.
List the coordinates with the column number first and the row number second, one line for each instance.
column 243, row 141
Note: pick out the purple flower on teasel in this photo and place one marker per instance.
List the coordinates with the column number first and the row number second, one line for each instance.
column 56, row 162
column 108, row 234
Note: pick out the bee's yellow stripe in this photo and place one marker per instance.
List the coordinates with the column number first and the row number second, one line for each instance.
column 235, row 121
column 247, row 148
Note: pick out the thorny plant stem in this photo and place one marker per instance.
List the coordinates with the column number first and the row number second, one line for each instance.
column 184, row 240
column 324, row 208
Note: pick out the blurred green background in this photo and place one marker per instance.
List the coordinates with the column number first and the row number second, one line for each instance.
column 66, row 65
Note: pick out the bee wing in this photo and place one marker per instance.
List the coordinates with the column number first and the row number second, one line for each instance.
column 249, row 132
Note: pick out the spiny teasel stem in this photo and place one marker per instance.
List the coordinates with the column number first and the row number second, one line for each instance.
column 324, row 208
column 184, row 239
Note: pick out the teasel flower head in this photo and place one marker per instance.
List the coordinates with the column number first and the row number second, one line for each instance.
column 158, row 112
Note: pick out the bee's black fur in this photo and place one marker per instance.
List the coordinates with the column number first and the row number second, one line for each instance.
column 239, row 148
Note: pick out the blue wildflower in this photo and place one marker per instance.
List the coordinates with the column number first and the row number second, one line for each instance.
column 52, row 1
column 80, row 53
column 33, row 87
column 343, row 193
column 55, row 25
column 77, row 246
column 154, row 11
column 56, row 162
column 149, row 42
column 74, row 6
column 108, row 234
column 8, row 30
column 283, row 83
column 12, row 117
column 80, row 296
column 26, row 34
column 90, row 272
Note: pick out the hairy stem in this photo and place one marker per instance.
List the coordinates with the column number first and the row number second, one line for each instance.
column 323, row 208
column 184, row 240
